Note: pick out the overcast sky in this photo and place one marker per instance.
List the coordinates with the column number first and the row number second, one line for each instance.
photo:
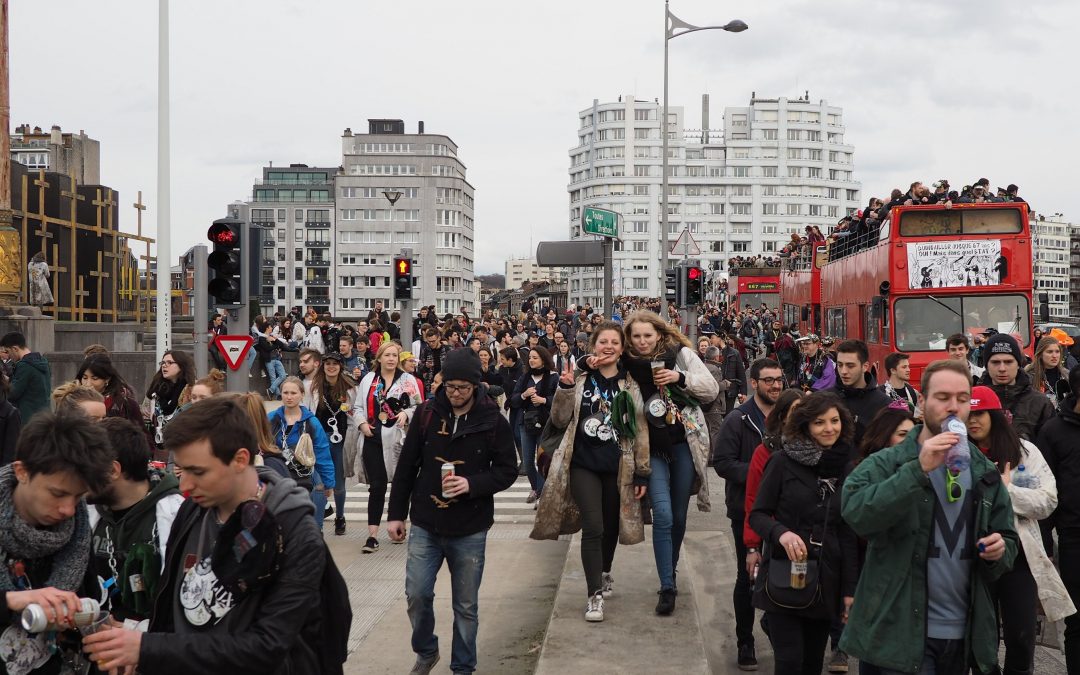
column 957, row 89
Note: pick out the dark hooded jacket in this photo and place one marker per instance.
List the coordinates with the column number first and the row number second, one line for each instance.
column 276, row 628
column 862, row 403
column 30, row 385
column 1057, row 442
column 732, row 450
column 1030, row 409
column 481, row 447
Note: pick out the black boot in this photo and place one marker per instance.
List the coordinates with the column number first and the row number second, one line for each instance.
column 339, row 525
column 666, row 604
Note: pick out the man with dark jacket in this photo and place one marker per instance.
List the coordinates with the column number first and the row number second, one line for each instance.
column 244, row 567
column 1030, row 409
column 131, row 520
column 450, row 514
column 734, row 371
column 741, row 434
column 1057, row 441
column 31, row 381
column 937, row 540
column 379, row 313
column 856, row 387
column 432, row 354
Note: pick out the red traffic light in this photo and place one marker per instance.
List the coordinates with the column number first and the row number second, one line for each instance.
column 693, row 273
column 404, row 266
column 223, row 234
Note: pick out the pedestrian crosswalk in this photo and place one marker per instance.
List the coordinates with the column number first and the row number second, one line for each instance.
column 510, row 506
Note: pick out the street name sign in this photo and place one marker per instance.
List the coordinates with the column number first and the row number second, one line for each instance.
column 600, row 222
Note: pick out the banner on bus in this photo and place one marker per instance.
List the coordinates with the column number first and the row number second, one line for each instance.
column 953, row 264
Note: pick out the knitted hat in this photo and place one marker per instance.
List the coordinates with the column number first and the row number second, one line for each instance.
column 1002, row 343
column 462, row 364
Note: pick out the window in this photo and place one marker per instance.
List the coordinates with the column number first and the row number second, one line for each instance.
column 923, row 324
column 815, row 210
column 768, row 171
column 639, row 246
column 348, row 260
column 792, row 209
column 643, row 115
column 793, row 172
column 815, row 155
column 642, row 170
column 445, row 217
column 716, row 209
column 794, row 153
column 769, row 134
column 740, row 247
column 853, row 195
column 298, row 215
column 836, row 322
column 740, row 209
column 967, row 221
column 813, row 136
column 637, row 226
column 641, row 189
column 768, row 191
column 740, row 171
column 813, row 172
column 769, row 210
column 298, row 235
column 348, row 214
column 794, row 134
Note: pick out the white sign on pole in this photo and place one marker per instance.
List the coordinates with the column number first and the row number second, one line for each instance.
column 953, row 264
column 685, row 245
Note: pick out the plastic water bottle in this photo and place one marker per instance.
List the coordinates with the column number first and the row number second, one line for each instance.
column 1023, row 479
column 959, row 456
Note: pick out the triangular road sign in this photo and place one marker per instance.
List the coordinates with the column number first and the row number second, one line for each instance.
column 234, row 348
column 685, row 245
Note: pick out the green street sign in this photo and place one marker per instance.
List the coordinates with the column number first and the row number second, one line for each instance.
column 600, row 222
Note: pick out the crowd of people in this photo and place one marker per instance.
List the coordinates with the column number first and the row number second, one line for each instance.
column 855, row 532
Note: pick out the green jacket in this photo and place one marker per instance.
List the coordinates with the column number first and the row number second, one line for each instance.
column 31, row 384
column 889, row 501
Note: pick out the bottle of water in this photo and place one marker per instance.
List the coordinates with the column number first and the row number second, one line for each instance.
column 959, row 456
column 1023, row 479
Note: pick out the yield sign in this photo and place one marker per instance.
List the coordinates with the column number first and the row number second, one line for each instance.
column 234, row 348
column 685, row 244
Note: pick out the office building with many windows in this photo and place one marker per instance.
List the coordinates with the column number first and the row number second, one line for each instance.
column 776, row 166
column 398, row 191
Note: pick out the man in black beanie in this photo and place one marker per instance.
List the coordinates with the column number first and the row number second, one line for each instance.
column 1004, row 374
column 450, row 514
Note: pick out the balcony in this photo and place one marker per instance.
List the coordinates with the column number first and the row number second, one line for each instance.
column 318, row 300
column 316, row 223
column 316, row 243
column 268, row 240
column 316, row 282
column 317, row 263
column 268, row 262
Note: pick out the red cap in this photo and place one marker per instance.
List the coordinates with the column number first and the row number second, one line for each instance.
column 984, row 398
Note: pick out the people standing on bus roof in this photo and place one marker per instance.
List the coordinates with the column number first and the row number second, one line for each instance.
column 1030, row 409
column 818, row 371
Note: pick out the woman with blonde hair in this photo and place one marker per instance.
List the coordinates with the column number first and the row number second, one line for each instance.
column 289, row 424
column 674, row 383
column 1046, row 369
column 74, row 398
column 205, row 387
column 269, row 453
column 383, row 407
column 600, row 470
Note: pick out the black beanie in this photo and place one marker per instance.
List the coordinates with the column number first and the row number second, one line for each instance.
column 1002, row 343
column 462, row 364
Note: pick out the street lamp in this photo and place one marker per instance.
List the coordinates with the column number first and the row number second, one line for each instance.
column 392, row 196
column 406, row 325
column 673, row 28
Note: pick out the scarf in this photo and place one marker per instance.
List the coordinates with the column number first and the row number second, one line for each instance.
column 68, row 544
column 829, row 463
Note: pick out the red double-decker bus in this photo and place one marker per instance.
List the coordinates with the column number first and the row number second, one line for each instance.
column 755, row 286
column 932, row 272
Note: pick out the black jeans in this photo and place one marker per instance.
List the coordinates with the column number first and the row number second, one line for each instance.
column 940, row 657
column 798, row 643
column 741, row 596
column 375, row 468
column 1068, row 558
column 1018, row 599
column 597, row 497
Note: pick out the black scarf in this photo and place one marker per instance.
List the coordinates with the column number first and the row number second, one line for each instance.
column 168, row 394
column 640, row 368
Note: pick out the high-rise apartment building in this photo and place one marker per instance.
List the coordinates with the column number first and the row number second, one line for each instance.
column 395, row 191
column 520, row 270
column 1052, row 250
column 294, row 206
column 776, row 166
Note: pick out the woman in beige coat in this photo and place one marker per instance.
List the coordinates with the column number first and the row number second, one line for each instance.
column 600, row 470
column 674, row 383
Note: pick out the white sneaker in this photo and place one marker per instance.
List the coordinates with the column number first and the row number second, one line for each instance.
column 607, row 585
column 594, row 611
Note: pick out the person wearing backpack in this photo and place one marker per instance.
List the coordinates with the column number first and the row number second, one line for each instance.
column 450, row 514
column 247, row 582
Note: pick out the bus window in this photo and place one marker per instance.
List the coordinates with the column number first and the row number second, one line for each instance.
column 960, row 221
column 924, row 323
column 836, row 322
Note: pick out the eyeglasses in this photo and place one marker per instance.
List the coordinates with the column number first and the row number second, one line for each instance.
column 459, row 388
column 954, row 491
column 770, row 381
column 167, row 363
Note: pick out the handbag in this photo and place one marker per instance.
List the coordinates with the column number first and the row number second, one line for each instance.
column 533, row 419
column 304, row 453
column 778, row 587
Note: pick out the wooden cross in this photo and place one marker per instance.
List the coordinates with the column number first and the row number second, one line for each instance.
column 45, row 237
column 74, row 196
column 99, row 203
column 115, row 258
column 80, row 295
column 56, row 268
column 100, row 274
column 139, row 208
column 40, row 181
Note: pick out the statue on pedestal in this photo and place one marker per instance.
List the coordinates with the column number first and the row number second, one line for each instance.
column 40, row 292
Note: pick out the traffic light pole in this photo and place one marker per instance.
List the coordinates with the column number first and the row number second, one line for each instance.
column 609, row 246
column 407, row 312
column 200, row 309
column 237, row 380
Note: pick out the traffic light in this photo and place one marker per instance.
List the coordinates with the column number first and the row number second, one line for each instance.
column 226, row 236
column 403, row 278
column 692, row 286
column 672, row 287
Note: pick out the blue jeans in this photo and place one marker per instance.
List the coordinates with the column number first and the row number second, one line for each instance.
column 669, row 490
column 276, row 372
column 465, row 558
column 529, row 441
column 318, row 496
